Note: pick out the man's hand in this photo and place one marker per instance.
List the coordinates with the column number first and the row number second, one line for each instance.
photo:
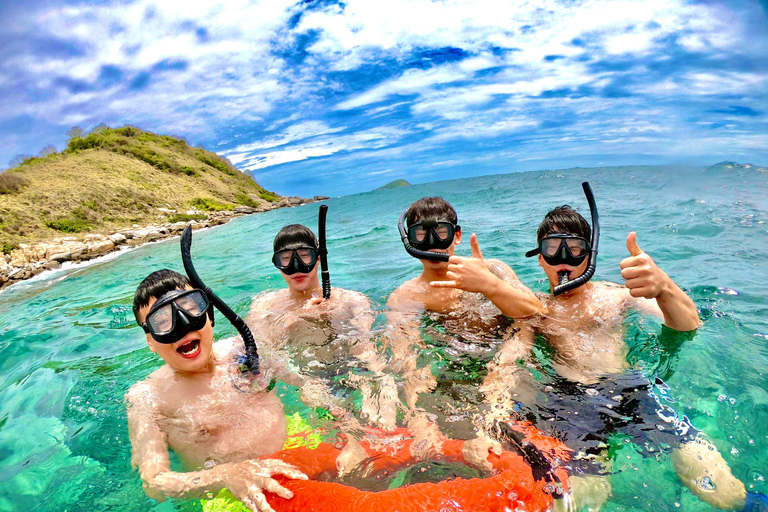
column 314, row 301
column 249, row 479
column 477, row 450
column 468, row 274
column 642, row 276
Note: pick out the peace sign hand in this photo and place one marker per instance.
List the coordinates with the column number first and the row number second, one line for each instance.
column 468, row 274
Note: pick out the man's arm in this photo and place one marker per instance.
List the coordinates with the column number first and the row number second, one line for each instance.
column 501, row 285
column 149, row 453
column 645, row 279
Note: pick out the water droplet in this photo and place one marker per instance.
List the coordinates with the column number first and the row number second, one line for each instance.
column 732, row 401
column 196, row 480
column 548, row 489
column 735, row 452
column 677, row 505
column 592, row 392
column 706, row 484
column 757, row 476
column 209, row 464
column 512, row 496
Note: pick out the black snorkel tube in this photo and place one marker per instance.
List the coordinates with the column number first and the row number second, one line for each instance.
column 566, row 285
column 251, row 363
column 323, row 251
column 416, row 253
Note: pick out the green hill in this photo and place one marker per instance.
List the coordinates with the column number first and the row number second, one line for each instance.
column 113, row 179
column 395, row 184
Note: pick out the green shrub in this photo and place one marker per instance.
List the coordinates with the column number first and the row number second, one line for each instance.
column 269, row 196
column 209, row 205
column 7, row 248
column 189, row 171
column 245, row 199
column 91, row 204
column 184, row 217
column 94, row 140
column 127, row 131
column 11, row 182
column 66, row 225
column 214, row 161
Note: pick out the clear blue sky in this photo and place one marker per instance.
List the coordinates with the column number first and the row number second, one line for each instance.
column 325, row 97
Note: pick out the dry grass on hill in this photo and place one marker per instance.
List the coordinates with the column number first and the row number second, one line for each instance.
column 114, row 179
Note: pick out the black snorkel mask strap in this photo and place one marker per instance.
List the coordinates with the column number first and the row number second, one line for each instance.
column 566, row 285
column 416, row 253
column 251, row 363
column 323, row 253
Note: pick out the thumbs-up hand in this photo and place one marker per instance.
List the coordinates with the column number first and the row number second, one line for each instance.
column 640, row 273
column 468, row 274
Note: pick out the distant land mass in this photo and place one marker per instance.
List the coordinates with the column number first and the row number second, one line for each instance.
column 395, row 184
column 115, row 178
column 736, row 165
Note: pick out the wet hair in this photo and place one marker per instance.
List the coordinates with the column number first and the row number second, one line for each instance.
column 293, row 236
column 431, row 209
column 156, row 285
column 564, row 219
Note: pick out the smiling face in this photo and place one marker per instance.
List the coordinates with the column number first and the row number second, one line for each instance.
column 192, row 353
column 299, row 282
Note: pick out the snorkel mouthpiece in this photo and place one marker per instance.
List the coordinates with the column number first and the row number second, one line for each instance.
column 416, row 253
column 563, row 277
column 566, row 285
column 325, row 276
column 251, row 363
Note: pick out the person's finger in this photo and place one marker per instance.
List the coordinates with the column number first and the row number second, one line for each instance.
column 634, row 283
column 476, row 252
column 257, row 503
column 274, row 487
column 632, row 261
column 291, row 472
column 631, row 272
column 640, row 292
column 632, row 246
column 455, row 260
column 443, row 284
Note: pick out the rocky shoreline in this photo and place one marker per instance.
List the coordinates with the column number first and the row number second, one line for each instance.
column 30, row 260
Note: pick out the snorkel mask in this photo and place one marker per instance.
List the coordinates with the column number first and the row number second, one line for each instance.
column 290, row 261
column 422, row 236
column 176, row 314
column 567, row 249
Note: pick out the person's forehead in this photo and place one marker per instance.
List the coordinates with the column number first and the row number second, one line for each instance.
column 152, row 299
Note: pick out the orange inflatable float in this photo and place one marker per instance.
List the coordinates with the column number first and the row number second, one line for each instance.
column 515, row 486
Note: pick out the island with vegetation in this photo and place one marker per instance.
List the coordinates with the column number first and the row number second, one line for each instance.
column 395, row 184
column 113, row 187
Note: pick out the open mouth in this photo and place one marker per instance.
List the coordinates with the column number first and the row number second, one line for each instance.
column 189, row 349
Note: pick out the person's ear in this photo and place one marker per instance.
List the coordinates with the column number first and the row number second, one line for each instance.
column 457, row 237
column 150, row 343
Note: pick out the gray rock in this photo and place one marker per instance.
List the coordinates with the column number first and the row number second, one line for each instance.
column 62, row 256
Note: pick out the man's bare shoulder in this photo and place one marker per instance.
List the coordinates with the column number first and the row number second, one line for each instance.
column 266, row 299
column 145, row 391
column 407, row 293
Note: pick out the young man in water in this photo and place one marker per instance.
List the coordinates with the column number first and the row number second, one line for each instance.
column 468, row 315
column 584, row 326
column 322, row 346
column 192, row 406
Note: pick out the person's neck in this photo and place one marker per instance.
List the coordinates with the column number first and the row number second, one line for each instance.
column 314, row 290
column 429, row 274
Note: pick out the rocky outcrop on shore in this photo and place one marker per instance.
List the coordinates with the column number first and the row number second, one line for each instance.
column 30, row 260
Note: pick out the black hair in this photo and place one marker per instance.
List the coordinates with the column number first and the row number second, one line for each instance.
column 564, row 219
column 293, row 236
column 431, row 209
column 156, row 285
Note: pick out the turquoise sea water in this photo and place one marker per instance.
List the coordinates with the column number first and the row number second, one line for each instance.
column 69, row 348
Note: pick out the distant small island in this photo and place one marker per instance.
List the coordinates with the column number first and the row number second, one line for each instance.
column 395, row 184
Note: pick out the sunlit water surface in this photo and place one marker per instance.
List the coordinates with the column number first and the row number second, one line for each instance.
column 69, row 348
